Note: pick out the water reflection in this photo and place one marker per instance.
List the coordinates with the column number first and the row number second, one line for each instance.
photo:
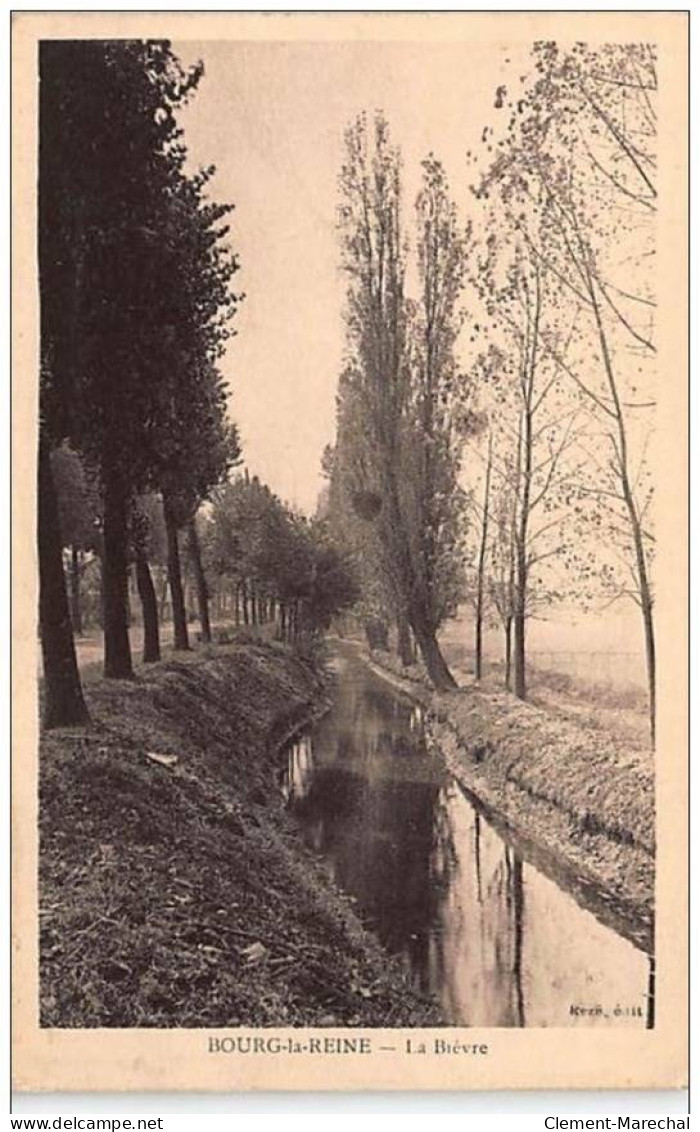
column 494, row 939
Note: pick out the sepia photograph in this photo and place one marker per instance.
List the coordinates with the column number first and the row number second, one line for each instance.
column 356, row 626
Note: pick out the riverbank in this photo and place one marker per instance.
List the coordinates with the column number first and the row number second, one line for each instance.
column 579, row 801
column 174, row 889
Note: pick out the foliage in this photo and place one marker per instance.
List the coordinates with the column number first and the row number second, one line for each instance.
column 135, row 293
column 108, row 317
column 78, row 500
column 252, row 536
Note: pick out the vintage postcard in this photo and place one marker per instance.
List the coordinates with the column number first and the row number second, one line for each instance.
column 350, row 541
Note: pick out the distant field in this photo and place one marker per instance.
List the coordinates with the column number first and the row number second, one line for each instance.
column 594, row 650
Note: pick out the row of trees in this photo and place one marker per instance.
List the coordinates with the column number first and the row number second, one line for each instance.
column 135, row 309
column 135, row 447
column 246, row 555
column 276, row 563
column 554, row 393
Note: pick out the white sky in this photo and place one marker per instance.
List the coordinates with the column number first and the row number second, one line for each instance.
column 271, row 117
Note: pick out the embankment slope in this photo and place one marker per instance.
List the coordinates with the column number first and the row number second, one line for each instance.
column 174, row 890
column 580, row 801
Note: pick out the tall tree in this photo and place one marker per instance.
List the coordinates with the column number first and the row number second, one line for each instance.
column 106, row 288
column 402, row 359
column 537, row 464
column 197, row 444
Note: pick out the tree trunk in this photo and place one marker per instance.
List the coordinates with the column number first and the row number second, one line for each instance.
column 76, row 614
column 101, row 587
column 413, row 593
column 479, row 620
column 403, row 640
column 525, row 450
column 622, row 462
column 645, row 596
column 283, row 622
column 117, row 659
column 519, row 619
column 64, row 705
column 253, row 605
column 507, row 629
column 129, row 586
column 436, row 667
column 237, row 604
column 200, row 580
column 149, row 609
column 478, row 637
column 180, row 638
column 521, row 569
column 163, row 603
column 650, row 648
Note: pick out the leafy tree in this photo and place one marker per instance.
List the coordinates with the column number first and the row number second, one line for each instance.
column 245, row 539
column 278, row 558
column 132, row 345
column 198, row 446
column 107, row 295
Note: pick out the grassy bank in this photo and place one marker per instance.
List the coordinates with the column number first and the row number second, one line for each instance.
column 575, row 794
column 174, row 890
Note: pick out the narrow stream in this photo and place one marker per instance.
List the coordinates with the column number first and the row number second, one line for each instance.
column 489, row 935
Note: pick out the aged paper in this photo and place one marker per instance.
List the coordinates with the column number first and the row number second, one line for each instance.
column 546, row 967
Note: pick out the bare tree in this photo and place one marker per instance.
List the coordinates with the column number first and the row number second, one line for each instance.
column 576, row 173
column 539, row 429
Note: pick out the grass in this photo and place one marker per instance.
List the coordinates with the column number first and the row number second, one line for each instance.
column 175, row 891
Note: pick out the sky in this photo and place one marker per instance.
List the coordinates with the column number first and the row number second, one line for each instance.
column 271, row 117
